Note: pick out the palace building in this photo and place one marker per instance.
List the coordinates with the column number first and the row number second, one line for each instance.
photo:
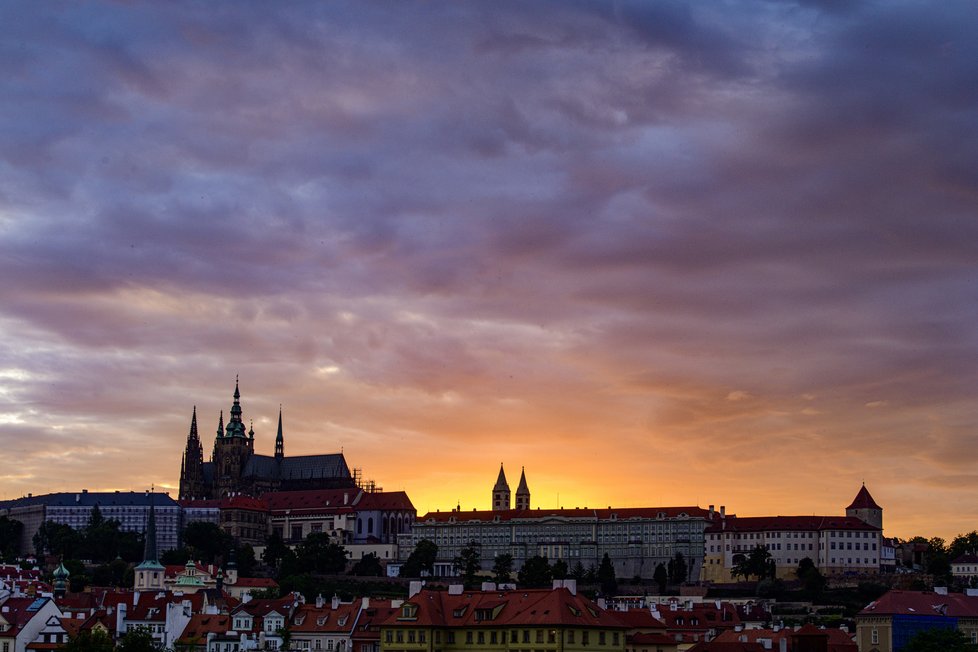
column 235, row 468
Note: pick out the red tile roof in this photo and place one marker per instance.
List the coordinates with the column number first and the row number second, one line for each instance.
column 200, row 625
column 781, row 523
column 863, row 500
column 314, row 500
column 967, row 558
column 370, row 619
column 723, row 646
column 592, row 514
column 836, row 639
column 923, row 603
column 256, row 582
column 309, row 619
column 385, row 501
column 639, row 619
column 531, row 607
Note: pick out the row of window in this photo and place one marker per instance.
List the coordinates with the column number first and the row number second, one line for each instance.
column 499, row 636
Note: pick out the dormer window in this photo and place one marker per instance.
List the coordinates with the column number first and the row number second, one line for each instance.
column 409, row 611
column 458, row 613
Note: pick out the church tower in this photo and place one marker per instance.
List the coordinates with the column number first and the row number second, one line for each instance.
column 279, row 439
column 149, row 574
column 500, row 492
column 865, row 508
column 232, row 450
column 523, row 492
column 191, row 467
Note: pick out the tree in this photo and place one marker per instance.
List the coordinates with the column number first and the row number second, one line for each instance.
column 502, row 568
column 275, row 550
column 245, row 559
column 368, row 566
column 57, row 539
column 10, row 532
column 677, row 569
column 606, row 576
column 207, row 542
column 138, row 639
column 91, row 640
column 468, row 563
column 421, row 560
column 757, row 564
column 660, row 576
column 318, row 554
column 810, row 576
column 536, row 573
column 559, row 570
column 963, row 544
column 578, row 571
column 939, row 640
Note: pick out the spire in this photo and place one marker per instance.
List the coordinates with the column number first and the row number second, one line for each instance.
column 523, row 492
column 149, row 549
column 193, row 425
column 279, row 439
column 501, row 483
column 235, row 427
column 220, row 425
column 863, row 500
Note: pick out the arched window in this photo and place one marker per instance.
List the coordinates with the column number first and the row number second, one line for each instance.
column 370, row 525
column 359, row 526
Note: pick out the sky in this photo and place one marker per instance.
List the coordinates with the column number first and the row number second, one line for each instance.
column 657, row 253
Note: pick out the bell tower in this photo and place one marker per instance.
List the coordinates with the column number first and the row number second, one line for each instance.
column 500, row 492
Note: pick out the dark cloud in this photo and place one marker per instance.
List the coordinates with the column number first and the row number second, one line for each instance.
column 745, row 227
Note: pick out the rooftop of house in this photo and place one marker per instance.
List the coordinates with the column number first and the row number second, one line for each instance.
column 610, row 513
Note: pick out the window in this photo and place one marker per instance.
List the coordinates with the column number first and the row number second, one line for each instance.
column 468, row 637
column 874, row 637
column 411, row 638
column 615, row 639
column 585, row 637
column 481, row 637
column 570, row 636
column 450, row 637
column 400, row 637
column 526, row 636
column 602, row 638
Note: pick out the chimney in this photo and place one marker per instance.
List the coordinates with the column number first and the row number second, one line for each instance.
column 940, row 590
column 335, row 602
column 711, row 512
column 490, row 586
column 346, row 498
column 723, row 511
column 783, row 645
column 365, row 602
column 415, row 587
column 455, row 589
column 319, row 601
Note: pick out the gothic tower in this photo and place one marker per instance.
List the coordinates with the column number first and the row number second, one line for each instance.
column 865, row 508
column 500, row 492
column 523, row 492
column 191, row 467
column 279, row 439
column 232, row 450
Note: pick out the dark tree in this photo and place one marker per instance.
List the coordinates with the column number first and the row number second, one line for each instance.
column 677, row 569
column 207, row 542
column 502, row 568
column 90, row 640
column 245, row 559
column 10, row 532
column 421, row 560
column 757, row 564
column 57, row 539
column 318, row 554
column 578, row 571
column 138, row 639
column 810, row 576
column 939, row 640
column 559, row 570
column 275, row 550
column 661, row 577
column 368, row 566
column 606, row 576
column 468, row 563
column 536, row 573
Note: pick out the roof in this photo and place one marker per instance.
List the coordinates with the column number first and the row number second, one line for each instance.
column 19, row 611
column 717, row 646
column 781, row 523
column 308, row 618
column 370, row 618
column 585, row 513
column 201, row 625
column 922, row 603
column 863, row 500
column 836, row 639
column 385, row 501
column 87, row 498
column 313, row 500
column 967, row 558
column 302, row 467
column 703, row 616
column 639, row 619
column 531, row 607
column 256, row 582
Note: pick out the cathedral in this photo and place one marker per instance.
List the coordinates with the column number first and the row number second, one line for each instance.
column 235, row 468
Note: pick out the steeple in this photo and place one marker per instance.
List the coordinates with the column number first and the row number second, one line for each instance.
column 865, row 508
column 235, row 427
column 523, row 492
column 279, row 439
column 500, row 492
column 149, row 574
column 191, row 472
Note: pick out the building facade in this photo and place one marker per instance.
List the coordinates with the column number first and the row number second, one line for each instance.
column 888, row 624
column 235, row 468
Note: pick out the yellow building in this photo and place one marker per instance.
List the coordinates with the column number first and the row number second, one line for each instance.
column 532, row 620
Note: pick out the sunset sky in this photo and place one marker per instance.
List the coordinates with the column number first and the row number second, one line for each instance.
column 660, row 253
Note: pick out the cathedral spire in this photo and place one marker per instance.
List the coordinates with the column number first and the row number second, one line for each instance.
column 279, row 439
column 235, row 427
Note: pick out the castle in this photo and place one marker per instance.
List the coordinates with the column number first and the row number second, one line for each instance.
column 235, row 468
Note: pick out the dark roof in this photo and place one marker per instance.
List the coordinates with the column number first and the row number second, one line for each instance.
column 923, row 603
column 330, row 500
column 385, row 501
column 302, row 467
column 863, row 500
column 778, row 523
column 592, row 514
column 967, row 558
column 91, row 498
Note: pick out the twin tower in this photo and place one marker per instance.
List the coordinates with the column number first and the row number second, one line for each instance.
column 500, row 493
